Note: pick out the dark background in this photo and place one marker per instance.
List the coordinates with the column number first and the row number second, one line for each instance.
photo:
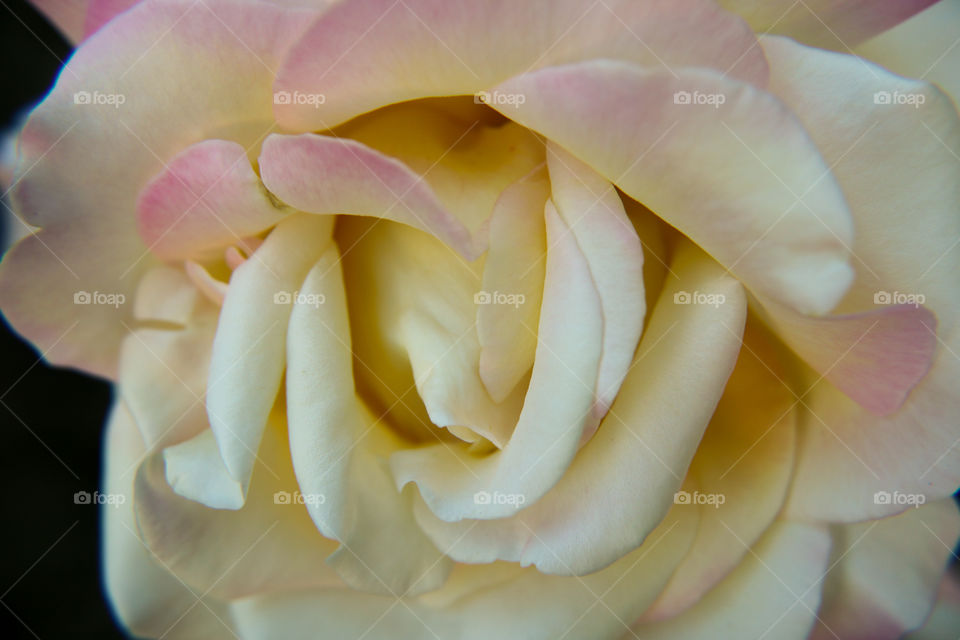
column 50, row 584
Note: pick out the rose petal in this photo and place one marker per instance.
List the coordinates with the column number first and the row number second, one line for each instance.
column 340, row 450
column 742, row 179
column 778, row 584
column 945, row 617
column 481, row 602
column 592, row 209
column 875, row 357
column 514, row 266
column 832, row 24
column 268, row 544
column 555, row 410
column 320, row 174
column 247, row 364
column 207, row 197
column 77, row 19
column 847, row 453
column 144, row 596
column 82, row 166
column 621, row 484
column 887, row 572
column 744, row 462
column 471, row 46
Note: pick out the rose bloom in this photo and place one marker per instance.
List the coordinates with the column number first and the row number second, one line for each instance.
column 506, row 319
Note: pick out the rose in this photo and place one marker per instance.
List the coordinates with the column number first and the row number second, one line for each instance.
column 782, row 420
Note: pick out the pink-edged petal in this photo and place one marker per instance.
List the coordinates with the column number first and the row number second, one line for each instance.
column 555, row 410
column 905, row 210
column 592, row 209
column 247, row 363
column 875, row 357
column 320, row 174
column 268, row 544
column 469, row 47
column 340, row 450
column 77, row 19
column 887, row 573
column 82, row 164
column 742, row 468
column 773, row 593
column 622, row 482
column 833, row 24
column 482, row 602
column 739, row 176
column 206, row 197
column 145, row 597
column 515, row 267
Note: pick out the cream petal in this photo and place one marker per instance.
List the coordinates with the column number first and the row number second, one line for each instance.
column 622, row 482
column 592, row 210
column 884, row 579
column 247, row 364
column 739, row 176
column 555, row 410
column 515, row 267
column 340, row 450
column 891, row 160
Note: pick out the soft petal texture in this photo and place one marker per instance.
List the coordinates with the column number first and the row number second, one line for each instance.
column 144, row 596
column 340, row 451
column 884, row 574
column 483, row 602
column 745, row 456
column 555, row 409
column 833, row 24
column 593, row 212
column 467, row 162
column 100, row 156
column 322, row 174
column 515, row 265
column 741, row 179
column 875, row 357
column 944, row 620
column 77, row 19
column 621, row 484
column 847, row 453
column 207, row 197
column 423, row 48
column 248, row 360
column 266, row 545
column 195, row 470
column 773, row 593
column 922, row 47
